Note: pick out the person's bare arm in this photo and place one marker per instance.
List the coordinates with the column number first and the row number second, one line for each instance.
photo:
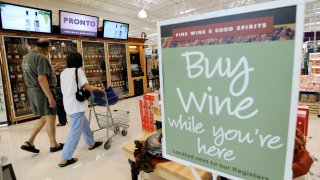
column 43, row 81
column 86, row 86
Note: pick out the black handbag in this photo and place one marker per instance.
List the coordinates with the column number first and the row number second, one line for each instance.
column 81, row 94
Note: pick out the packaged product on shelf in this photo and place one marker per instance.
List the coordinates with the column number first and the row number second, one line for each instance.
column 94, row 62
column 59, row 51
column 118, row 68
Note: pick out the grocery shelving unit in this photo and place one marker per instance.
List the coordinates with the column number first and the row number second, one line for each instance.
column 15, row 48
column 3, row 112
column 310, row 84
column 93, row 53
column 314, row 61
column 59, row 51
column 118, row 68
column 100, row 66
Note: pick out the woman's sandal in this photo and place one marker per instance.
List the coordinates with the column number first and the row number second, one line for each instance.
column 29, row 148
column 55, row 149
column 96, row 144
column 70, row 161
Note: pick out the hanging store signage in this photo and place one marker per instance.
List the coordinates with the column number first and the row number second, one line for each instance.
column 78, row 24
column 230, row 89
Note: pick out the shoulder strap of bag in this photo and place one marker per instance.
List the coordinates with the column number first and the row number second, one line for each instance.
column 77, row 79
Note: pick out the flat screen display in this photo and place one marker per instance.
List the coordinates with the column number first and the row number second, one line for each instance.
column 115, row 30
column 78, row 24
column 22, row 18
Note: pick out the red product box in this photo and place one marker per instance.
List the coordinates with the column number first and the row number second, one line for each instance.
column 303, row 117
column 301, row 123
column 151, row 123
column 151, row 97
column 143, row 121
column 147, row 119
column 140, row 106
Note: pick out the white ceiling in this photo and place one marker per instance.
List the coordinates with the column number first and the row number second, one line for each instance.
column 127, row 10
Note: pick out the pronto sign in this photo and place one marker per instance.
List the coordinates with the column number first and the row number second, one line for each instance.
column 78, row 24
column 230, row 89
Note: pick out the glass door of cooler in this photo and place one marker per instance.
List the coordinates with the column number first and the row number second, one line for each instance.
column 15, row 48
column 94, row 62
column 59, row 51
column 3, row 113
column 118, row 68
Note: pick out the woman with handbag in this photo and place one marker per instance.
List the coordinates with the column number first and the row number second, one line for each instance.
column 76, row 90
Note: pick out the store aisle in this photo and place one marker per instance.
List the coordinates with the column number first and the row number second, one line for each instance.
column 99, row 163
column 96, row 164
column 313, row 146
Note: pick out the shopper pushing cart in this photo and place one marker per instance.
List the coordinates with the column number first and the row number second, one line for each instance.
column 73, row 78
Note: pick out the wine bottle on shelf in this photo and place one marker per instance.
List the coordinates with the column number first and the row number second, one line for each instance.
column 11, row 68
column 18, row 69
column 15, row 49
column 9, row 48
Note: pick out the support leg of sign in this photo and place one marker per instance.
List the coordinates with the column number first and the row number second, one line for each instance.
column 214, row 177
column 194, row 172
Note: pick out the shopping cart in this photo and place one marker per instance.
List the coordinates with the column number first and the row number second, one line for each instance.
column 114, row 120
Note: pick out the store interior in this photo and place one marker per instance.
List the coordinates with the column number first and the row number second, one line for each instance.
column 127, row 60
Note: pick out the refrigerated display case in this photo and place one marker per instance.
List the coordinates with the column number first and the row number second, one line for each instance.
column 59, row 51
column 118, row 68
column 94, row 62
column 3, row 113
column 15, row 48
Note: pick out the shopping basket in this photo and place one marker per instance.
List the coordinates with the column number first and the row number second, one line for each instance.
column 115, row 120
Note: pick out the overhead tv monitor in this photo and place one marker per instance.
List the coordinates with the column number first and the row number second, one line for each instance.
column 115, row 30
column 23, row 18
column 78, row 24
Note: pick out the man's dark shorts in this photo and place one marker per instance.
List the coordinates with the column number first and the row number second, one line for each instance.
column 39, row 102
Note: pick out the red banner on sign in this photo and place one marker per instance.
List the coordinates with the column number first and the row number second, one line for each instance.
column 234, row 28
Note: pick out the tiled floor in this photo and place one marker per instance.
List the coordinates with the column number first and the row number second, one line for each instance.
column 96, row 164
column 100, row 163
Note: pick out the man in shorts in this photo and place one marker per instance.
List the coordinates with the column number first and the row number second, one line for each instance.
column 40, row 80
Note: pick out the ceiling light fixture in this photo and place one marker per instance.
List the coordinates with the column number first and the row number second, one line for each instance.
column 142, row 14
column 142, row 4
